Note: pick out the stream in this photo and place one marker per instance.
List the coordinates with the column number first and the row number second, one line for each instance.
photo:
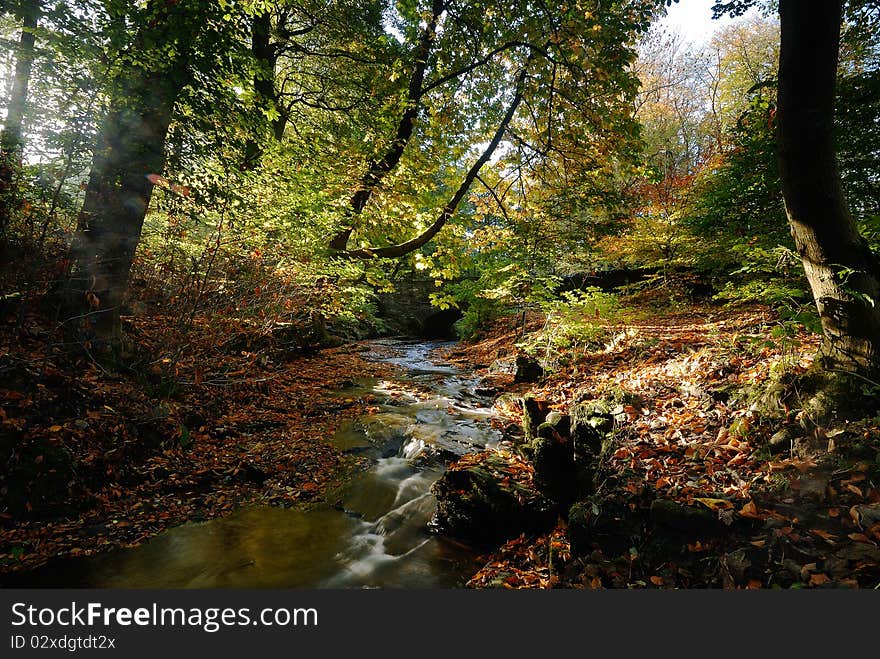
column 372, row 533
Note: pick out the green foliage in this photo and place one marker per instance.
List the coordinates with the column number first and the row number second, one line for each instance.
column 858, row 141
column 738, row 199
column 499, row 290
column 577, row 182
column 771, row 276
column 574, row 323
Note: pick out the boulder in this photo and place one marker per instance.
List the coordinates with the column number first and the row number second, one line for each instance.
column 488, row 498
column 689, row 520
column 534, row 411
column 586, row 441
column 605, row 523
column 598, row 414
column 527, row 369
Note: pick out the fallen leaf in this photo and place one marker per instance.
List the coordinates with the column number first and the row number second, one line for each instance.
column 830, row 538
column 714, row 504
column 855, row 490
column 750, row 510
column 859, row 537
column 854, row 514
column 818, row 579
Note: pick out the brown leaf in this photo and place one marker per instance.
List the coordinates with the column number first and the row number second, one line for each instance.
column 854, row 490
column 830, row 538
column 818, row 579
column 859, row 537
column 750, row 510
column 715, row 504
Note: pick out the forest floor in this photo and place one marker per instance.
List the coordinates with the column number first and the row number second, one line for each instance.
column 95, row 460
column 749, row 501
column 215, row 416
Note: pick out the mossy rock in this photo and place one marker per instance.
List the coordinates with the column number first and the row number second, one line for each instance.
column 683, row 518
column 589, row 423
column 482, row 503
column 607, row 523
column 836, row 396
column 527, row 369
column 555, row 423
column 534, row 412
column 614, row 396
column 604, row 414
column 596, row 414
column 825, row 396
column 579, row 529
column 553, row 458
column 587, row 436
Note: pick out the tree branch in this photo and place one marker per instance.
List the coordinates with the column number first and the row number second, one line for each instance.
column 451, row 206
column 379, row 168
column 494, row 194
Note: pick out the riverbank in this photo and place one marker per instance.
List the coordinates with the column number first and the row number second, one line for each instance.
column 369, row 527
column 694, row 483
column 205, row 421
column 691, row 485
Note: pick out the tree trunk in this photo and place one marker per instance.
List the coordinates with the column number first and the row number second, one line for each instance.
column 130, row 152
column 266, row 56
column 11, row 140
column 378, row 169
column 401, row 249
column 843, row 272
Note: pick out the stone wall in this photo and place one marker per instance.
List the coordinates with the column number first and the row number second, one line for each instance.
column 408, row 311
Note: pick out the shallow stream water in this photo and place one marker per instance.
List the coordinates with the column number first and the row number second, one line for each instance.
column 372, row 532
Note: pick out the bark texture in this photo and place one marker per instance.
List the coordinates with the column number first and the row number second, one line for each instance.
column 843, row 272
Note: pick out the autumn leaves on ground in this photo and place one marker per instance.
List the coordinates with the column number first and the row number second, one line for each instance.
column 700, row 484
column 101, row 460
column 697, row 484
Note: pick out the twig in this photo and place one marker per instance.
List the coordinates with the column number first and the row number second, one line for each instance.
column 855, row 375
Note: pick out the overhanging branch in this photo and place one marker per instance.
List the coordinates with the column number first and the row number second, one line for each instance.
column 394, row 251
column 379, row 168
